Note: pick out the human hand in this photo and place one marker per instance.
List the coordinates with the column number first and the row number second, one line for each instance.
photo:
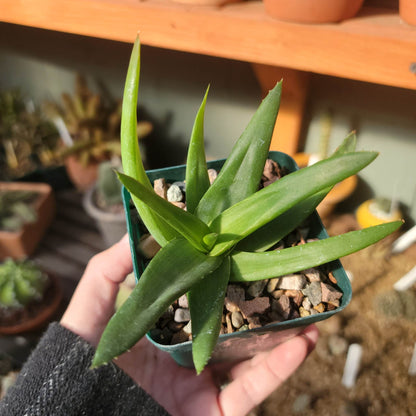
column 179, row 390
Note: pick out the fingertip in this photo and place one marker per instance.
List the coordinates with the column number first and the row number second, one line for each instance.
column 311, row 335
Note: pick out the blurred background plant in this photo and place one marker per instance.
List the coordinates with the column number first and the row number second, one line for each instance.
column 89, row 124
column 21, row 282
column 16, row 209
column 28, row 140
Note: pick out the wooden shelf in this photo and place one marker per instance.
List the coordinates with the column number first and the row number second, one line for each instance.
column 376, row 46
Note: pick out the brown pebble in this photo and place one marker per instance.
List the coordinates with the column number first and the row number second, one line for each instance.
column 179, row 204
column 255, row 306
column 160, row 187
column 303, row 312
column 254, row 322
column 277, row 293
column 320, row 307
column 235, row 294
column 229, row 324
column 179, row 337
column 329, row 293
column 332, row 278
column 282, row 306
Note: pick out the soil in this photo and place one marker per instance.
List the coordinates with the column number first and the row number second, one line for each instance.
column 383, row 385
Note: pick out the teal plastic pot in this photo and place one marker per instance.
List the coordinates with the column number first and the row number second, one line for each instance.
column 238, row 345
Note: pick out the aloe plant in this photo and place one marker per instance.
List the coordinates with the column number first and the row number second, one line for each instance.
column 227, row 228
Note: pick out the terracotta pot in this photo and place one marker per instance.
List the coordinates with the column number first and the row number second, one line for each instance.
column 244, row 344
column 43, row 311
column 313, row 11
column 22, row 243
column 82, row 177
column 338, row 193
column 407, row 10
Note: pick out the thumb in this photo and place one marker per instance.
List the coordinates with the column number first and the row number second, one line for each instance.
column 92, row 304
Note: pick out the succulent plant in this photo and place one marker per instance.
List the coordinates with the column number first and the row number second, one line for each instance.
column 28, row 141
column 228, row 227
column 21, row 282
column 16, row 209
column 108, row 185
column 92, row 122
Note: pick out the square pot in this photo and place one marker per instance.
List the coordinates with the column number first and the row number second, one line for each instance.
column 22, row 243
column 238, row 345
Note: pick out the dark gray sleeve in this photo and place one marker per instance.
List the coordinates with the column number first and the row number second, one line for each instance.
column 56, row 380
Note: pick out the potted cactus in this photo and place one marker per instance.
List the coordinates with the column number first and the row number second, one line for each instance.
column 104, row 202
column 26, row 211
column 28, row 296
column 89, row 126
column 28, row 140
column 225, row 234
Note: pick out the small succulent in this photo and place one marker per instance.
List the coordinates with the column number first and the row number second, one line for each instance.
column 228, row 226
column 21, row 282
column 108, row 185
column 16, row 209
column 27, row 139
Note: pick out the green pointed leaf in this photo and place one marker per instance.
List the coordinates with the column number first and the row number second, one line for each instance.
column 130, row 152
column 206, row 303
column 184, row 223
column 271, row 233
column 347, row 146
column 257, row 266
column 171, row 273
column 197, row 180
column 241, row 173
column 257, row 210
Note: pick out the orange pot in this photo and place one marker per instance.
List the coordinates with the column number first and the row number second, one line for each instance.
column 22, row 243
column 338, row 193
column 313, row 11
column 82, row 177
column 407, row 10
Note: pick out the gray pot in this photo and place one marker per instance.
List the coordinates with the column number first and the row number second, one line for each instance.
column 112, row 226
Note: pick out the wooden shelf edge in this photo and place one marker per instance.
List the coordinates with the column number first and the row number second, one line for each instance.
column 373, row 47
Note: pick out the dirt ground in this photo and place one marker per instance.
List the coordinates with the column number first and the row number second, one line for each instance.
column 383, row 385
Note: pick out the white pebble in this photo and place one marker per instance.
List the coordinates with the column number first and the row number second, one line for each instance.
column 174, row 194
column 182, row 315
column 291, row 282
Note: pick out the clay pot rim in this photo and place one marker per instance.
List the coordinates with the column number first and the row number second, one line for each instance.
column 97, row 213
column 39, row 319
column 43, row 190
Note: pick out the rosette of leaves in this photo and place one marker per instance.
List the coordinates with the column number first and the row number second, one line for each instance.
column 228, row 227
column 17, row 209
column 21, row 282
column 28, row 140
